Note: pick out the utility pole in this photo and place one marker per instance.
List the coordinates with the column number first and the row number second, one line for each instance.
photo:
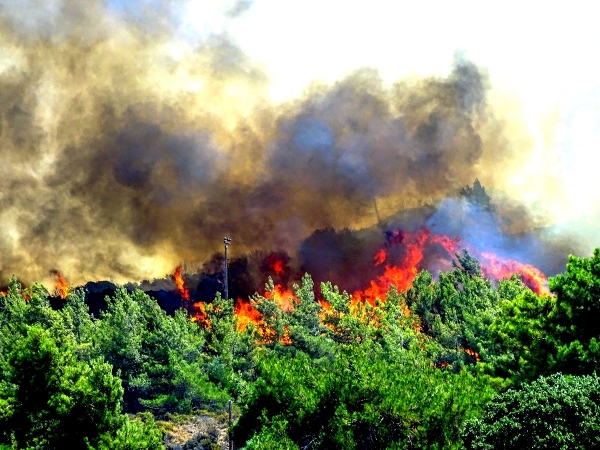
column 227, row 241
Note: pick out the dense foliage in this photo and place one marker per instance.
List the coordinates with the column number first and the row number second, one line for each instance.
column 454, row 361
column 554, row 412
column 541, row 335
column 63, row 374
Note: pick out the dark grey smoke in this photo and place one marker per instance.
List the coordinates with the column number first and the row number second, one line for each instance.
column 126, row 151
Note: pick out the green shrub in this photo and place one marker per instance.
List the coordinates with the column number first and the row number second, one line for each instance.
column 561, row 412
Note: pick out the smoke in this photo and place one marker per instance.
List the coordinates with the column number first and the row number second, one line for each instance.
column 482, row 230
column 127, row 148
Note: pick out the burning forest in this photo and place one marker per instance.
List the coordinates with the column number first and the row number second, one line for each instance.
column 365, row 263
column 413, row 232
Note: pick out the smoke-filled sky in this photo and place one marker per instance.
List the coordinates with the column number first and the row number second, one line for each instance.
column 135, row 134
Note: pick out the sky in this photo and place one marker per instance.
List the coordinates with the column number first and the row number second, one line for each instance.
column 534, row 47
column 546, row 52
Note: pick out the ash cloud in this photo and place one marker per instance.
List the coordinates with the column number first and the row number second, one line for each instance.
column 127, row 149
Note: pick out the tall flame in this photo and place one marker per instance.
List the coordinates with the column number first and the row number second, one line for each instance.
column 199, row 307
column 62, row 287
column 201, row 315
column 284, row 298
column 181, row 289
column 402, row 273
column 246, row 314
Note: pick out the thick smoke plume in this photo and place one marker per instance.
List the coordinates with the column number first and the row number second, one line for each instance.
column 126, row 149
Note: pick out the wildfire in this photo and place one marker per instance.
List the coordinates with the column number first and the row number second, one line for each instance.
column 200, row 307
column 473, row 354
column 278, row 267
column 181, row 289
column 498, row 268
column 379, row 257
column 399, row 271
column 284, row 299
column 399, row 260
column 246, row 313
column 201, row 315
column 402, row 273
column 275, row 264
column 61, row 287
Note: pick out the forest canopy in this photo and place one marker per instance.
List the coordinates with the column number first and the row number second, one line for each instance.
column 455, row 361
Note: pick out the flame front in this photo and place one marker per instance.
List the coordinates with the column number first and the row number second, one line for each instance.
column 201, row 315
column 246, row 313
column 398, row 261
column 402, row 273
column 284, row 298
column 402, row 257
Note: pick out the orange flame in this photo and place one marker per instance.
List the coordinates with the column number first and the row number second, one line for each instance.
column 276, row 263
column 278, row 267
column 473, row 354
column 326, row 306
column 246, row 314
column 286, row 340
column 399, row 272
column 201, row 315
column 284, row 299
column 402, row 273
column 499, row 268
column 183, row 291
column 379, row 257
column 200, row 307
column 61, row 286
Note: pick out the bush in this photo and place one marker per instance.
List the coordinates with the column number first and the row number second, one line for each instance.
column 554, row 412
